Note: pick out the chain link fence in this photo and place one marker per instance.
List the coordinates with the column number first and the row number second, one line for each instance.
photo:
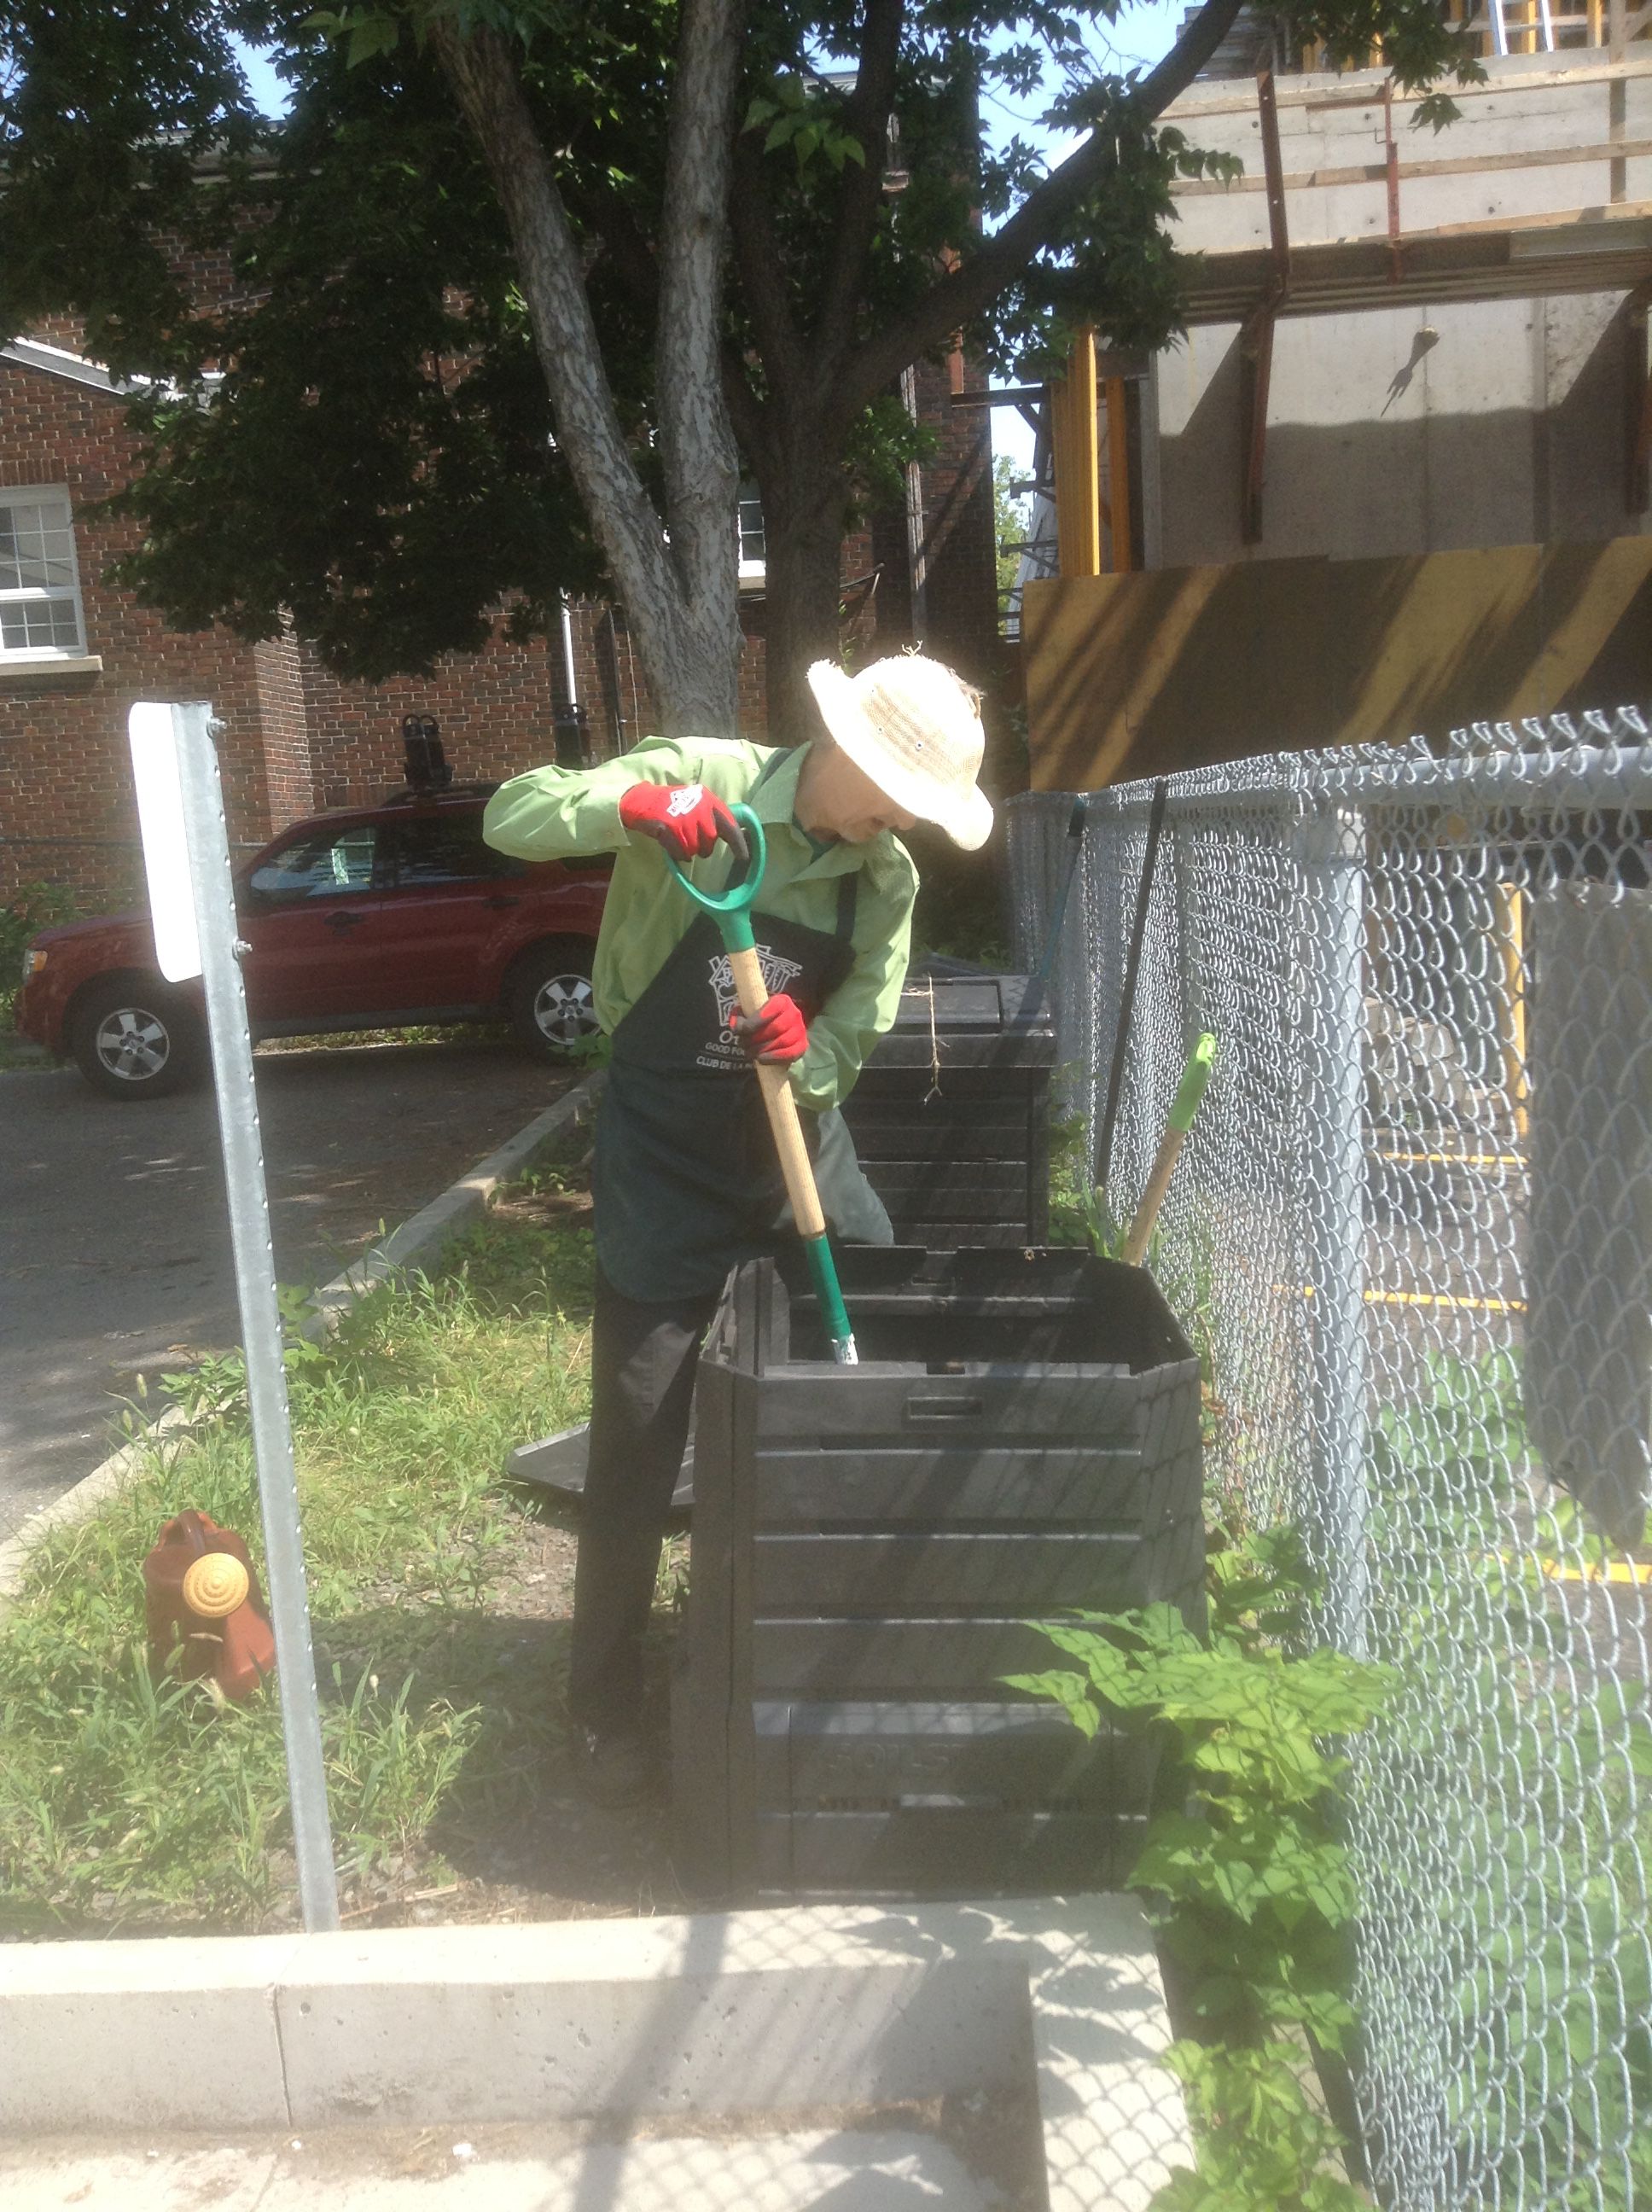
column 1412, row 1230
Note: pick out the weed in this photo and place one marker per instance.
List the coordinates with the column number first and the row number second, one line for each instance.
column 1249, row 1885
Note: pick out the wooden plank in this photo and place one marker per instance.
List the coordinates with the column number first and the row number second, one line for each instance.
column 850, row 1408
column 921, row 1571
column 1587, row 249
column 894, row 1658
column 857, row 1752
column 945, row 1853
column 1310, row 92
column 1461, row 165
column 1095, row 1485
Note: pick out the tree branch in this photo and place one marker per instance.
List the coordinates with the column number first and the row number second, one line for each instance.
column 956, row 298
column 696, row 445
column 869, row 111
column 588, row 430
column 761, row 265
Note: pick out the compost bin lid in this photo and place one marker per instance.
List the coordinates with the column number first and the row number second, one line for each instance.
column 964, row 1001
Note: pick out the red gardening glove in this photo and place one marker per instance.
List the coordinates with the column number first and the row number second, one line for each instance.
column 683, row 818
column 778, row 1034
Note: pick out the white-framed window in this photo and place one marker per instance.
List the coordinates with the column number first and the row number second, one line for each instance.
column 753, row 552
column 40, row 616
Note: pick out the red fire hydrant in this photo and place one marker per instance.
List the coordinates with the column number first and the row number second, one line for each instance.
column 203, row 1609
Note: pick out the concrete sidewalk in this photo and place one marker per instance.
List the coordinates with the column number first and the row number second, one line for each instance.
column 500, row 2170
column 744, row 2028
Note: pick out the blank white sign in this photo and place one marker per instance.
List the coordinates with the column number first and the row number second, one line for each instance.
column 152, row 734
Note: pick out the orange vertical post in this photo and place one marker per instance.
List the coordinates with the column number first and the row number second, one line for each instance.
column 1076, row 462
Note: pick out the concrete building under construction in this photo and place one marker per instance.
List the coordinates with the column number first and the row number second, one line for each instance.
column 1394, row 477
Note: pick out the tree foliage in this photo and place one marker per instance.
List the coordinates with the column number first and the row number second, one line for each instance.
column 465, row 358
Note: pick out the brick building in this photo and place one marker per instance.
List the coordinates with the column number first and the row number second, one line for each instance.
column 76, row 652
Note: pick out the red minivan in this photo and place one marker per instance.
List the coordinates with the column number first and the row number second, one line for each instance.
column 365, row 918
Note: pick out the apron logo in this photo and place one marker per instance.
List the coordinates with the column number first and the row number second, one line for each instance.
column 777, row 975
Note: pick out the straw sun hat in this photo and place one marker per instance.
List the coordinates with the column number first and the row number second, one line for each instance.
column 912, row 726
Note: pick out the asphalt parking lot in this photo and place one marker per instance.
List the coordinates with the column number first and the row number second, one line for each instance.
column 114, row 1247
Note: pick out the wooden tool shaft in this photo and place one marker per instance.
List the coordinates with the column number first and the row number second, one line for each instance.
column 1152, row 1198
column 776, row 1083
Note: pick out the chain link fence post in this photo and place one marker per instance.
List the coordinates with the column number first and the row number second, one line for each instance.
column 1331, row 855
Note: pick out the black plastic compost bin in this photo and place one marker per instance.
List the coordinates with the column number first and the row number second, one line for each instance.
column 1021, row 1436
column 950, row 1116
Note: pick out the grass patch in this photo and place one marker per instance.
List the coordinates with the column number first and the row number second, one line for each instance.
column 131, row 1804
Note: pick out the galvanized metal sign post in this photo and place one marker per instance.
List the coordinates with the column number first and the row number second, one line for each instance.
column 192, row 898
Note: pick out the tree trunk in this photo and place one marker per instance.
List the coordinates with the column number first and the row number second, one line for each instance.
column 701, row 463
column 804, row 507
column 685, row 623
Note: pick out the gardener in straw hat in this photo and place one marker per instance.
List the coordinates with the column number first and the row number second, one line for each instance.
column 687, row 1184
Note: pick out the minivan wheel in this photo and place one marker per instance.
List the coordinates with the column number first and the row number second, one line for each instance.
column 133, row 1038
column 552, row 1007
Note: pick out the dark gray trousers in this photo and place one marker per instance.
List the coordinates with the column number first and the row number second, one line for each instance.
column 643, row 1367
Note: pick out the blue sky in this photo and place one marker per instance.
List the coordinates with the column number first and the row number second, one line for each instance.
column 267, row 90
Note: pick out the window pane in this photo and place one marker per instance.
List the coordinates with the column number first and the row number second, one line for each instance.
column 35, row 547
column 32, row 625
column 320, row 866
column 751, row 529
column 446, row 849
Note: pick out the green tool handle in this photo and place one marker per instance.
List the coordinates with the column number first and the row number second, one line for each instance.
column 827, row 1289
column 1191, row 1089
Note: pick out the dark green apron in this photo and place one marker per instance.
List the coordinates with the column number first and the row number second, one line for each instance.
column 687, row 1182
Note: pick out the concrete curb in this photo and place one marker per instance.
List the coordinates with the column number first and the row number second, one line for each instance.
column 418, row 1239
column 757, row 2012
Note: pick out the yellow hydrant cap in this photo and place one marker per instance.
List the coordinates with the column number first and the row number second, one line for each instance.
column 216, row 1585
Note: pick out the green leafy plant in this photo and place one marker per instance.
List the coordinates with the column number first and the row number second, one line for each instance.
column 31, row 908
column 1248, row 1882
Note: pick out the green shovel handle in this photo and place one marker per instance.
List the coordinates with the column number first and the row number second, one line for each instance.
column 732, row 907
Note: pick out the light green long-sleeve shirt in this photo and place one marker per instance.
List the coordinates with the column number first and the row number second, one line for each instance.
column 553, row 811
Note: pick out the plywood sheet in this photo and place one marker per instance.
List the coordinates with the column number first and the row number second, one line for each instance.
column 1138, row 675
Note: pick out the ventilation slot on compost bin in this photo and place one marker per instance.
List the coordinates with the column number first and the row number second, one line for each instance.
column 870, row 1543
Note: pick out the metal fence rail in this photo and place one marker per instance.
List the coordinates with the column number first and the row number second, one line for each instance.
column 1413, row 1228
